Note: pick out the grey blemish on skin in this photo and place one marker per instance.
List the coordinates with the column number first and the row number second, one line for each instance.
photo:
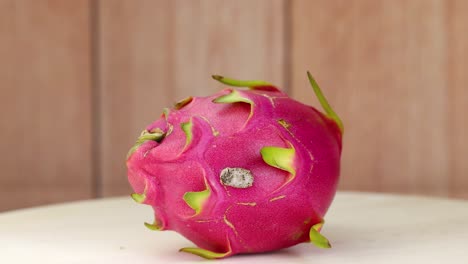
column 237, row 177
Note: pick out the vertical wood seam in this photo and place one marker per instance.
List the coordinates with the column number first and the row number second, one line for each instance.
column 287, row 42
column 96, row 124
column 449, row 80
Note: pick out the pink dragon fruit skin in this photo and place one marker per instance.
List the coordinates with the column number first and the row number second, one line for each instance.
column 241, row 171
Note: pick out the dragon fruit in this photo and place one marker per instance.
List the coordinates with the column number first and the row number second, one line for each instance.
column 241, row 171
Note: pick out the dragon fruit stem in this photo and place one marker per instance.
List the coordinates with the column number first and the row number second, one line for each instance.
column 240, row 83
column 324, row 102
column 318, row 239
column 153, row 227
column 146, row 135
column 139, row 198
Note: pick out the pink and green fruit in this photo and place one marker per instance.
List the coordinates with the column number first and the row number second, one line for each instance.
column 241, row 171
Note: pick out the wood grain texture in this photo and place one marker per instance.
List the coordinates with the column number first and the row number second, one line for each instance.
column 45, row 133
column 396, row 73
column 457, row 28
column 153, row 53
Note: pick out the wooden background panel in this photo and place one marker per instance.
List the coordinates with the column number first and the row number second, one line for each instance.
column 45, row 134
column 457, row 23
column 153, row 53
column 394, row 70
column 385, row 67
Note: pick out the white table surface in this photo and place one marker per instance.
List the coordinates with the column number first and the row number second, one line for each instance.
column 363, row 228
